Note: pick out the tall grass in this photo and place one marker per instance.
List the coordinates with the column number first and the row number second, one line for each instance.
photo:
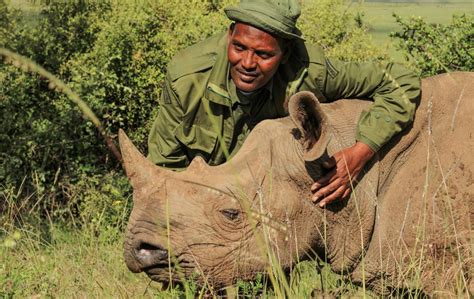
column 48, row 259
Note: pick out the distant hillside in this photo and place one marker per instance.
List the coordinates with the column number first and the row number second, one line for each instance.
column 378, row 15
column 424, row 1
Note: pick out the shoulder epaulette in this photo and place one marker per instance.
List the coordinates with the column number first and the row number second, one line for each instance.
column 315, row 54
column 196, row 58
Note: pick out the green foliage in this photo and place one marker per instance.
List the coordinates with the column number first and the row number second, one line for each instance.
column 251, row 289
column 433, row 48
column 342, row 34
column 114, row 56
column 63, row 30
column 121, row 76
column 42, row 138
column 101, row 201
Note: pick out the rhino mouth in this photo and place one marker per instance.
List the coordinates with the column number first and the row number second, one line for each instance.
column 162, row 273
column 173, row 273
column 149, row 254
column 160, row 266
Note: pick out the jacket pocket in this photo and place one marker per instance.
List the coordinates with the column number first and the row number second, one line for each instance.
column 196, row 139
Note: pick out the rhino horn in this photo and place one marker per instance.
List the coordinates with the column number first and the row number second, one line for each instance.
column 140, row 171
column 307, row 114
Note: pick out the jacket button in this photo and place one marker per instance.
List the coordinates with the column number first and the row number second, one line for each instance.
column 377, row 115
column 387, row 119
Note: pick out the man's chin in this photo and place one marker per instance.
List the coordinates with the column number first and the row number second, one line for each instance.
column 246, row 86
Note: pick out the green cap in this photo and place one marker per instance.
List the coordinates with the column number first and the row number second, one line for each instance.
column 277, row 17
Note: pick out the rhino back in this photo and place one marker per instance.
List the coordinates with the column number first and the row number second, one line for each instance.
column 426, row 196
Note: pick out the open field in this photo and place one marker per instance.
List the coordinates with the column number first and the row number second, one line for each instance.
column 379, row 17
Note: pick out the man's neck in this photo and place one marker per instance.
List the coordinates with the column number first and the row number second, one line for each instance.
column 249, row 93
column 246, row 96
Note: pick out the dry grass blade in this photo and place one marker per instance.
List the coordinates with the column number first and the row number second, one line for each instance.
column 55, row 83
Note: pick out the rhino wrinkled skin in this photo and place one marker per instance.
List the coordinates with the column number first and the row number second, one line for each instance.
column 413, row 205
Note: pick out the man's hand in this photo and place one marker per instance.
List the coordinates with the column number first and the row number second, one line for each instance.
column 345, row 168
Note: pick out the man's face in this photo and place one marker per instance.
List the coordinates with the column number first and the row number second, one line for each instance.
column 254, row 55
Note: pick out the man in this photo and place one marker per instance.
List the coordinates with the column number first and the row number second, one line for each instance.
column 216, row 91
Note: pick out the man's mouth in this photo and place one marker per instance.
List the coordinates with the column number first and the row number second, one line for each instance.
column 247, row 76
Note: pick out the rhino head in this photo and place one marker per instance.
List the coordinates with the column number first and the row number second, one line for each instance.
column 221, row 223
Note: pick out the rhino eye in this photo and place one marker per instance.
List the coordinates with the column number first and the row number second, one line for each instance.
column 231, row 214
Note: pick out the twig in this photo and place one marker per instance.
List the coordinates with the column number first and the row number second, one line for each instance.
column 456, row 109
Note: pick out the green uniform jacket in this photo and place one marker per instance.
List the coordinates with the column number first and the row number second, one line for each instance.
column 201, row 114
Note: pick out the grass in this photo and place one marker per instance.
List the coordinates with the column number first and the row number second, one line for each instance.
column 55, row 259
column 70, row 264
column 41, row 258
column 65, row 263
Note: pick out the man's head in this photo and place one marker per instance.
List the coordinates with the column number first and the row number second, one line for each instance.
column 254, row 55
column 259, row 40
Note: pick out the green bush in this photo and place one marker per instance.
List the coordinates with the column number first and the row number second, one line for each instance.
column 121, row 76
column 42, row 135
column 63, row 29
column 342, row 34
column 114, row 56
column 434, row 48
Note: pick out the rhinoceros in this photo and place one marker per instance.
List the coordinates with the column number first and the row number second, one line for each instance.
column 409, row 216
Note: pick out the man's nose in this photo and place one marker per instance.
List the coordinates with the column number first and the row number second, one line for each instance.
column 248, row 61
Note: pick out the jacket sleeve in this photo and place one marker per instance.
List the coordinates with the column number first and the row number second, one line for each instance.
column 164, row 149
column 394, row 90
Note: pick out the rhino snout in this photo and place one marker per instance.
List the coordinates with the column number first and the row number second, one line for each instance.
column 141, row 255
column 150, row 255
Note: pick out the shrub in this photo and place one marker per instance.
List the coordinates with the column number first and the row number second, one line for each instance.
column 434, row 48
column 42, row 133
column 121, row 76
column 342, row 34
column 114, row 55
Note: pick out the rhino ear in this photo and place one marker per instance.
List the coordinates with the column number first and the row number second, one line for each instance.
column 140, row 171
column 305, row 111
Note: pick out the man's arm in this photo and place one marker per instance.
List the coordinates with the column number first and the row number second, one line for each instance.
column 394, row 90
column 163, row 147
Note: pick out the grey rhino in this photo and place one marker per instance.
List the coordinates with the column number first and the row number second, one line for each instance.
column 410, row 215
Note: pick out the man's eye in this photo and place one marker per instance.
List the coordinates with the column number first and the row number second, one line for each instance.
column 231, row 214
column 239, row 47
column 263, row 55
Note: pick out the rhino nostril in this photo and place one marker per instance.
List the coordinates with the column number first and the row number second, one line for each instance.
column 148, row 252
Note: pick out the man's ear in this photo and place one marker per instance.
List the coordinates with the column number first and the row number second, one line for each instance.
column 308, row 116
